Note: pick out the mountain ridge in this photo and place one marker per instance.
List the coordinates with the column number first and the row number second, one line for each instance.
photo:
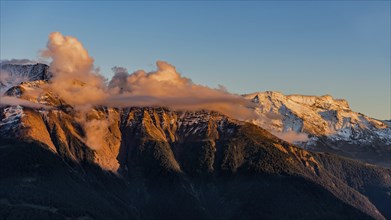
column 329, row 124
column 156, row 157
column 319, row 123
column 186, row 159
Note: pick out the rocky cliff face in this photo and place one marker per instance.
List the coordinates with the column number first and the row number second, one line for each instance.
column 329, row 124
column 321, row 124
column 155, row 143
column 13, row 74
column 59, row 162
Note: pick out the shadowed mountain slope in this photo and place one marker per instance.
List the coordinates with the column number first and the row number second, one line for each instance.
column 60, row 162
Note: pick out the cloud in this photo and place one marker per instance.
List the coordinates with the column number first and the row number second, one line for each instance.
column 9, row 100
column 95, row 132
column 79, row 83
column 74, row 78
column 118, row 81
column 4, row 76
column 166, row 87
column 292, row 136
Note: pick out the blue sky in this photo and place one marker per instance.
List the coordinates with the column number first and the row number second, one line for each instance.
column 341, row 48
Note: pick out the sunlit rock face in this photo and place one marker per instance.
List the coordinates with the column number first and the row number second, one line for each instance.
column 173, row 149
column 329, row 125
column 101, row 162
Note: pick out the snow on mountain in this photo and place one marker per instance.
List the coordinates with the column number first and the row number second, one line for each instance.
column 98, row 128
column 14, row 74
column 316, row 116
column 11, row 119
column 319, row 123
column 329, row 123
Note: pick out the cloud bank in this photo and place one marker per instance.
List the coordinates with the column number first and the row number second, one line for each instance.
column 166, row 87
column 10, row 100
column 79, row 84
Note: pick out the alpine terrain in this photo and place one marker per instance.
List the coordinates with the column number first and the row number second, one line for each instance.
column 58, row 161
column 324, row 124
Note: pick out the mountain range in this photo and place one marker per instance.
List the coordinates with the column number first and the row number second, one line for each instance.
column 60, row 162
column 324, row 124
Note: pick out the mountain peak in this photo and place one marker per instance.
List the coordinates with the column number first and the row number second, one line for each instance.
column 32, row 72
column 14, row 74
column 328, row 122
column 326, row 101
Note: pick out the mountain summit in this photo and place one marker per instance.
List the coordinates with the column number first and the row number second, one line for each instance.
column 325, row 124
column 14, row 74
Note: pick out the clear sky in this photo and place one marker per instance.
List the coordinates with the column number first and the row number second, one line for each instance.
column 341, row 48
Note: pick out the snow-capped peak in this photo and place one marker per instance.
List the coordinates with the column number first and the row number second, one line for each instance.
column 325, row 101
column 13, row 74
column 316, row 116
